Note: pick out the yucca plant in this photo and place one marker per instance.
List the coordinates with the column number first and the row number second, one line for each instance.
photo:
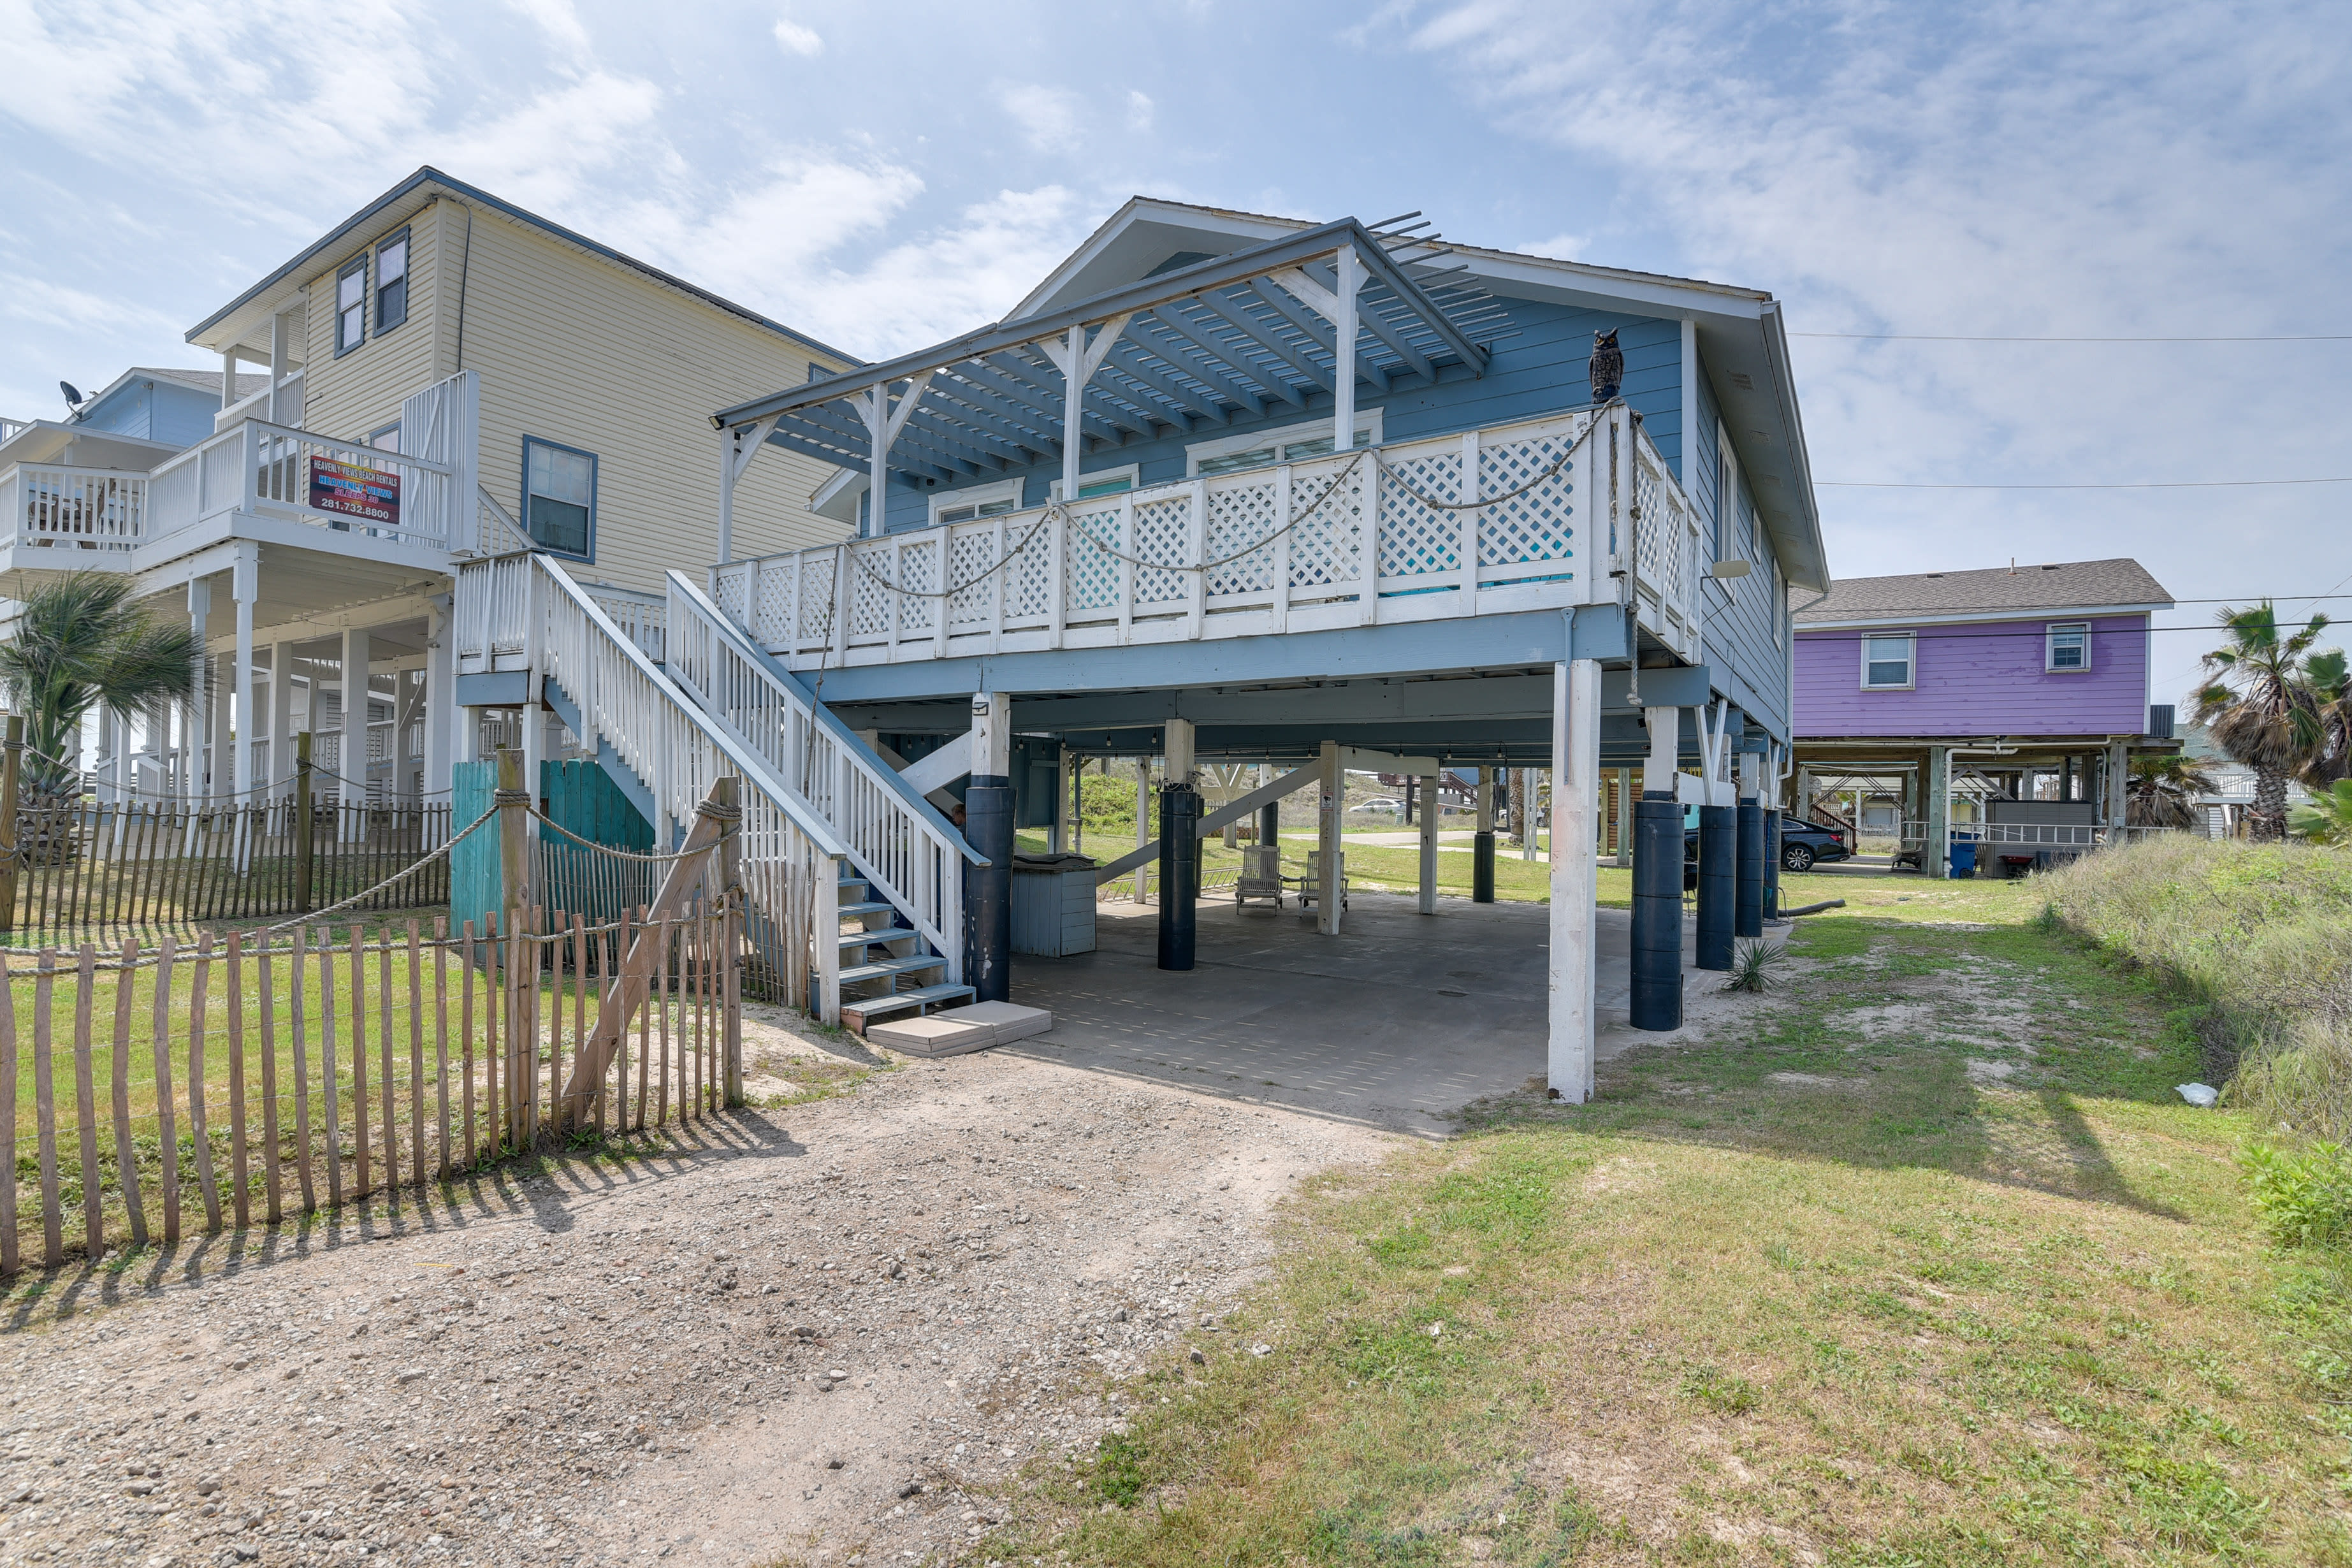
column 1756, row 966
column 82, row 643
column 2259, row 702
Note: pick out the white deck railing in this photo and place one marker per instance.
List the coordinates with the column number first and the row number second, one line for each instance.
column 1342, row 540
column 265, row 469
column 911, row 854
column 51, row 505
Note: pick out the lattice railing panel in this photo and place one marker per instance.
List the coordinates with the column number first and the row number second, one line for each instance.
column 869, row 593
column 1538, row 525
column 1091, row 572
column 1326, row 543
column 1032, row 576
column 1239, row 517
column 1163, row 532
column 816, row 597
column 919, row 571
column 969, row 556
column 1416, row 538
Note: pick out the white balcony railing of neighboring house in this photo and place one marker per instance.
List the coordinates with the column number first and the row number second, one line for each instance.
column 53, row 506
column 12, row 428
column 1583, row 510
column 420, row 496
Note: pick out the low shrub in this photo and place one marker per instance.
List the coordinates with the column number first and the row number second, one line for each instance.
column 2259, row 939
column 2304, row 1194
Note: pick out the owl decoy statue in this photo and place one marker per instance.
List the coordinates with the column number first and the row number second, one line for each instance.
column 1608, row 367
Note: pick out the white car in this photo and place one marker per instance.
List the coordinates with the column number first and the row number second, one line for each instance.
column 1378, row 803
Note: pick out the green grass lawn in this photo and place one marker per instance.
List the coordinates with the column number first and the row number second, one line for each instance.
column 1926, row 1264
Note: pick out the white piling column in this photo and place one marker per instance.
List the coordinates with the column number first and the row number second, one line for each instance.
column 352, row 760
column 281, row 716
column 193, row 727
column 1057, row 834
column 1524, row 801
column 1486, row 800
column 1429, row 815
column 1575, row 884
column 245, row 574
column 440, row 706
column 1625, row 818
column 1348, row 269
column 1183, row 763
column 1329, row 869
column 1142, row 826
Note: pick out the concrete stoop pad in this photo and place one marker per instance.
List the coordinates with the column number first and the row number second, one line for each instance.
column 962, row 1029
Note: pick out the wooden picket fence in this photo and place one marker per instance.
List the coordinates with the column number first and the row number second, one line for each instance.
column 261, row 1074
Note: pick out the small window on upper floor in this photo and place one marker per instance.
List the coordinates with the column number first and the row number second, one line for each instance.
column 560, row 498
column 1886, row 662
column 351, row 305
column 2068, row 648
column 1290, row 444
column 976, row 502
column 385, row 437
column 1111, row 481
column 392, row 282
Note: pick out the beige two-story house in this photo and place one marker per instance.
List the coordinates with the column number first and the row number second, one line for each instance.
column 447, row 375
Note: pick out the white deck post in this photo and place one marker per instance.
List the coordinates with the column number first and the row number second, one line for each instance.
column 1429, row 815
column 1180, row 750
column 1330, row 872
column 281, row 363
column 1142, row 826
column 245, row 574
column 228, row 378
column 441, row 711
column 1625, row 818
column 192, row 712
column 2119, row 779
column 350, row 763
column 1057, row 835
column 1528, row 814
column 1575, row 784
column 1351, row 269
column 281, row 715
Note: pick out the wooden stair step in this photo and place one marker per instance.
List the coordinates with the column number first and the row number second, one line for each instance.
column 891, row 968
column 865, row 1010
column 880, row 934
column 853, row 912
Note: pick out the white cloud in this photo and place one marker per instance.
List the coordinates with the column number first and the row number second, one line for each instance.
column 795, row 40
column 2093, row 169
column 1140, row 109
column 1558, row 247
column 560, row 22
column 39, row 300
column 1047, row 116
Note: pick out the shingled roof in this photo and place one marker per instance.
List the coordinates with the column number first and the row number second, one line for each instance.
column 2067, row 585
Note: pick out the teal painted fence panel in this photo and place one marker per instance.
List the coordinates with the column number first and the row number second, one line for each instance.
column 474, row 864
column 577, row 880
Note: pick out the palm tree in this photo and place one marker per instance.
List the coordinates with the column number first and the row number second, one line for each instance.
column 2162, row 790
column 81, row 644
column 2259, row 704
column 2331, row 689
column 2328, row 818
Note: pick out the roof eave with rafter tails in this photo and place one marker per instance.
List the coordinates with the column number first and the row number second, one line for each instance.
column 1201, row 344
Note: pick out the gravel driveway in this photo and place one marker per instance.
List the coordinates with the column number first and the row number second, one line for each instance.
column 831, row 1333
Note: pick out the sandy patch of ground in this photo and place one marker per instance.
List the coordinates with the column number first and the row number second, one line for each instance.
column 832, row 1331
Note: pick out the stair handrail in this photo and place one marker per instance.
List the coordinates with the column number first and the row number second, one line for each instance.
column 860, row 756
column 803, row 815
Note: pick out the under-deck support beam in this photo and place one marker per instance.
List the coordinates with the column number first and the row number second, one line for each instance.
column 1575, row 883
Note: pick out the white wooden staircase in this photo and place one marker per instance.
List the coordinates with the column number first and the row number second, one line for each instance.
column 855, row 881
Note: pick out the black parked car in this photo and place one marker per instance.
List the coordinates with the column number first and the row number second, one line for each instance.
column 1804, row 844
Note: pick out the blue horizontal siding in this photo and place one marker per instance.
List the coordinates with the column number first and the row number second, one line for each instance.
column 1540, row 369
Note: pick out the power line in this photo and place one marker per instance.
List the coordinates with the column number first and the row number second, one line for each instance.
column 2126, row 485
column 1968, row 337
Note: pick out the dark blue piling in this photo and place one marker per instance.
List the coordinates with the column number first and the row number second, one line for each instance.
column 1657, row 958
column 1719, row 883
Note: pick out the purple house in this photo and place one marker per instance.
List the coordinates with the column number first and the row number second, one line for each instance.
column 2015, row 697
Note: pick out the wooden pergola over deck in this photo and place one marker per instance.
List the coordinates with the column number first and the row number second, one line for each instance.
column 1195, row 347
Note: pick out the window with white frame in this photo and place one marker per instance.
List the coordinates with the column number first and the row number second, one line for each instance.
column 1290, row 444
column 2067, row 649
column 392, row 282
column 385, row 437
column 1106, row 482
column 351, row 305
column 976, row 502
column 560, row 498
column 1887, row 661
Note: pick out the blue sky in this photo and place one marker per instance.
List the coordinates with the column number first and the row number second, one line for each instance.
column 883, row 177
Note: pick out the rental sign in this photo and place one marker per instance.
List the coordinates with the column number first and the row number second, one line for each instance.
column 354, row 491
